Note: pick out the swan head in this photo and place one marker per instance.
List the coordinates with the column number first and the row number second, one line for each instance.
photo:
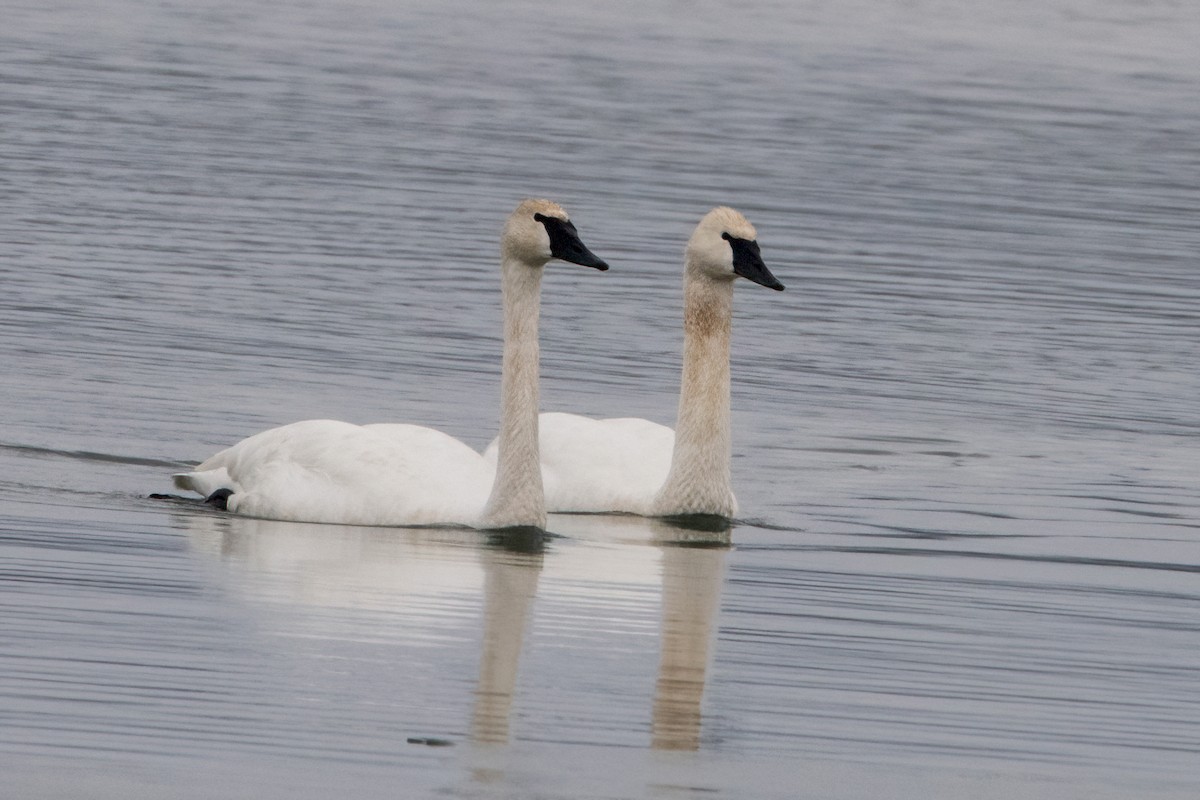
column 725, row 246
column 540, row 230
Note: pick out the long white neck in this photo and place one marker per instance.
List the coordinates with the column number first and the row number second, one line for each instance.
column 517, row 498
column 699, row 480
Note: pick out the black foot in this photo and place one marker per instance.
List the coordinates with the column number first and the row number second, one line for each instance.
column 219, row 499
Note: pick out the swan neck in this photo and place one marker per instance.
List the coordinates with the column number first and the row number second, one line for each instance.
column 699, row 481
column 517, row 497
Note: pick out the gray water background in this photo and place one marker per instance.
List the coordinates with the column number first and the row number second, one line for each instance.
column 965, row 436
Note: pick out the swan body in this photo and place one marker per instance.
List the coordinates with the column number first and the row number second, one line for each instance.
column 398, row 474
column 640, row 467
column 600, row 465
column 324, row 470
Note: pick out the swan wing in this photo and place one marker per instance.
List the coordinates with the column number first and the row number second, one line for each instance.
column 600, row 465
column 337, row 472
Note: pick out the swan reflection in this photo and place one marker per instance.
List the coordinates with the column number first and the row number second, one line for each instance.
column 693, row 555
column 414, row 573
column 509, row 586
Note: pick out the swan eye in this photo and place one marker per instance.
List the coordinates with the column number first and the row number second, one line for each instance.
column 542, row 218
column 726, row 236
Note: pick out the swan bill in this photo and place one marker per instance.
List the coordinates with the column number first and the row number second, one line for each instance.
column 747, row 262
column 566, row 245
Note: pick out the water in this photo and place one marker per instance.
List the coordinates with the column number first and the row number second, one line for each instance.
column 965, row 436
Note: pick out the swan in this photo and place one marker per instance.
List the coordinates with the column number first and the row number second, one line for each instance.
column 637, row 466
column 398, row 474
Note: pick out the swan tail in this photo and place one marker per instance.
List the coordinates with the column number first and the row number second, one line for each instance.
column 205, row 482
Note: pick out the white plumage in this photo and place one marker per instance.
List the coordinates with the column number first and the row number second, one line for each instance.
column 323, row 470
column 601, row 465
column 396, row 474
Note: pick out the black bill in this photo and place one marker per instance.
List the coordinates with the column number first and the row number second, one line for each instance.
column 747, row 262
column 566, row 245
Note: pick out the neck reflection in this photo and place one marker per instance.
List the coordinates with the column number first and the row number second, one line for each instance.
column 511, row 566
column 397, row 569
column 694, row 550
column 693, row 571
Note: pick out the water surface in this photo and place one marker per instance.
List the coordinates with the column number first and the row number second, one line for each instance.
column 965, row 436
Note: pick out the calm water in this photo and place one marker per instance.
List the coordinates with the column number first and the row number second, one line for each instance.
column 965, row 436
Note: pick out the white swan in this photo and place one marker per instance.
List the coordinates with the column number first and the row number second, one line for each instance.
column 640, row 467
column 395, row 474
